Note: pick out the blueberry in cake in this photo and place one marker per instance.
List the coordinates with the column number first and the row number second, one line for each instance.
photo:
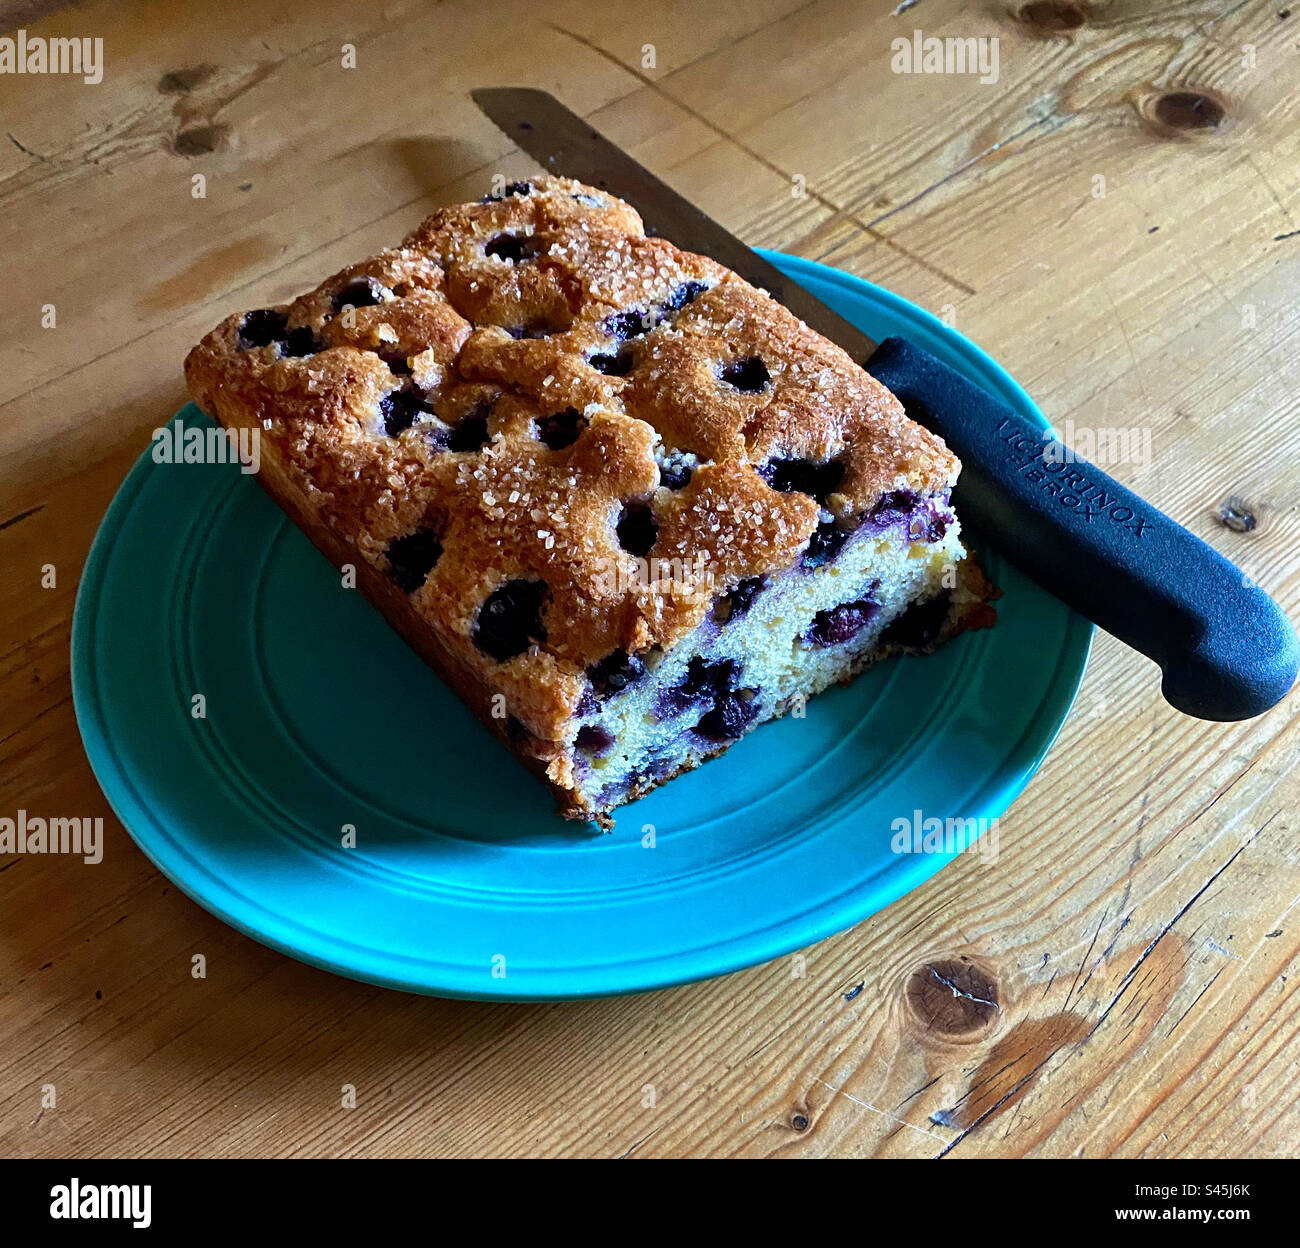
column 627, row 505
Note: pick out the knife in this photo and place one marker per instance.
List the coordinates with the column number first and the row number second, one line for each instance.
column 1226, row 650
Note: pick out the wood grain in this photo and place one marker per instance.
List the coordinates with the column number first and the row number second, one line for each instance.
column 1120, row 983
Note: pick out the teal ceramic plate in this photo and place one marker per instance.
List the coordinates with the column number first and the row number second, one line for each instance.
column 462, row 881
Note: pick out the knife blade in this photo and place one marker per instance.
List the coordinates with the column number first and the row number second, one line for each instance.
column 1227, row 651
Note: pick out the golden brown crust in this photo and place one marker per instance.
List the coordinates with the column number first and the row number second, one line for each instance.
column 490, row 313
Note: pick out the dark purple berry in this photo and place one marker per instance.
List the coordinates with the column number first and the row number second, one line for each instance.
column 267, row 326
column 470, row 433
column 261, row 328
column 510, row 619
column 918, row 626
column 595, row 739
column 637, row 529
column 437, row 435
column 412, row 558
column 515, row 248
column 703, row 681
column 299, row 342
column 684, row 294
column 894, row 505
column 399, row 409
column 630, row 783
column 674, row 475
column 736, row 603
column 617, row 364
column 632, row 323
column 748, row 375
column 826, row 542
column 360, row 292
column 937, row 527
column 398, row 364
column 839, row 624
column 732, row 713
column 615, row 672
column 560, row 430
column 803, row 476
column 705, row 677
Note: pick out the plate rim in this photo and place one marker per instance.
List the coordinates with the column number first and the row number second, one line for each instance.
column 760, row 945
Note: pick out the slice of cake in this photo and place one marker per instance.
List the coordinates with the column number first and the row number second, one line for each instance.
column 624, row 503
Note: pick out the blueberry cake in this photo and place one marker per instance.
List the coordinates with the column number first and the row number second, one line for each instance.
column 624, row 503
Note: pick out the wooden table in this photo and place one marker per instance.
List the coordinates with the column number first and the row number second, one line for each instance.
column 1117, row 219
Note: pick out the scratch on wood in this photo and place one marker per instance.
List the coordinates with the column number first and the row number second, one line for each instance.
column 1072, row 211
column 26, row 151
column 1222, row 17
column 899, row 1122
column 1272, row 190
column 1123, row 332
column 1092, row 945
column 917, row 1093
column 977, row 1084
column 53, row 707
column 1119, row 931
column 1191, row 1007
column 1227, row 788
column 974, row 160
column 639, row 1142
column 22, row 515
column 1127, row 981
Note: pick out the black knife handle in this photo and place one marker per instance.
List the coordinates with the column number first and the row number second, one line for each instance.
column 1226, row 649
